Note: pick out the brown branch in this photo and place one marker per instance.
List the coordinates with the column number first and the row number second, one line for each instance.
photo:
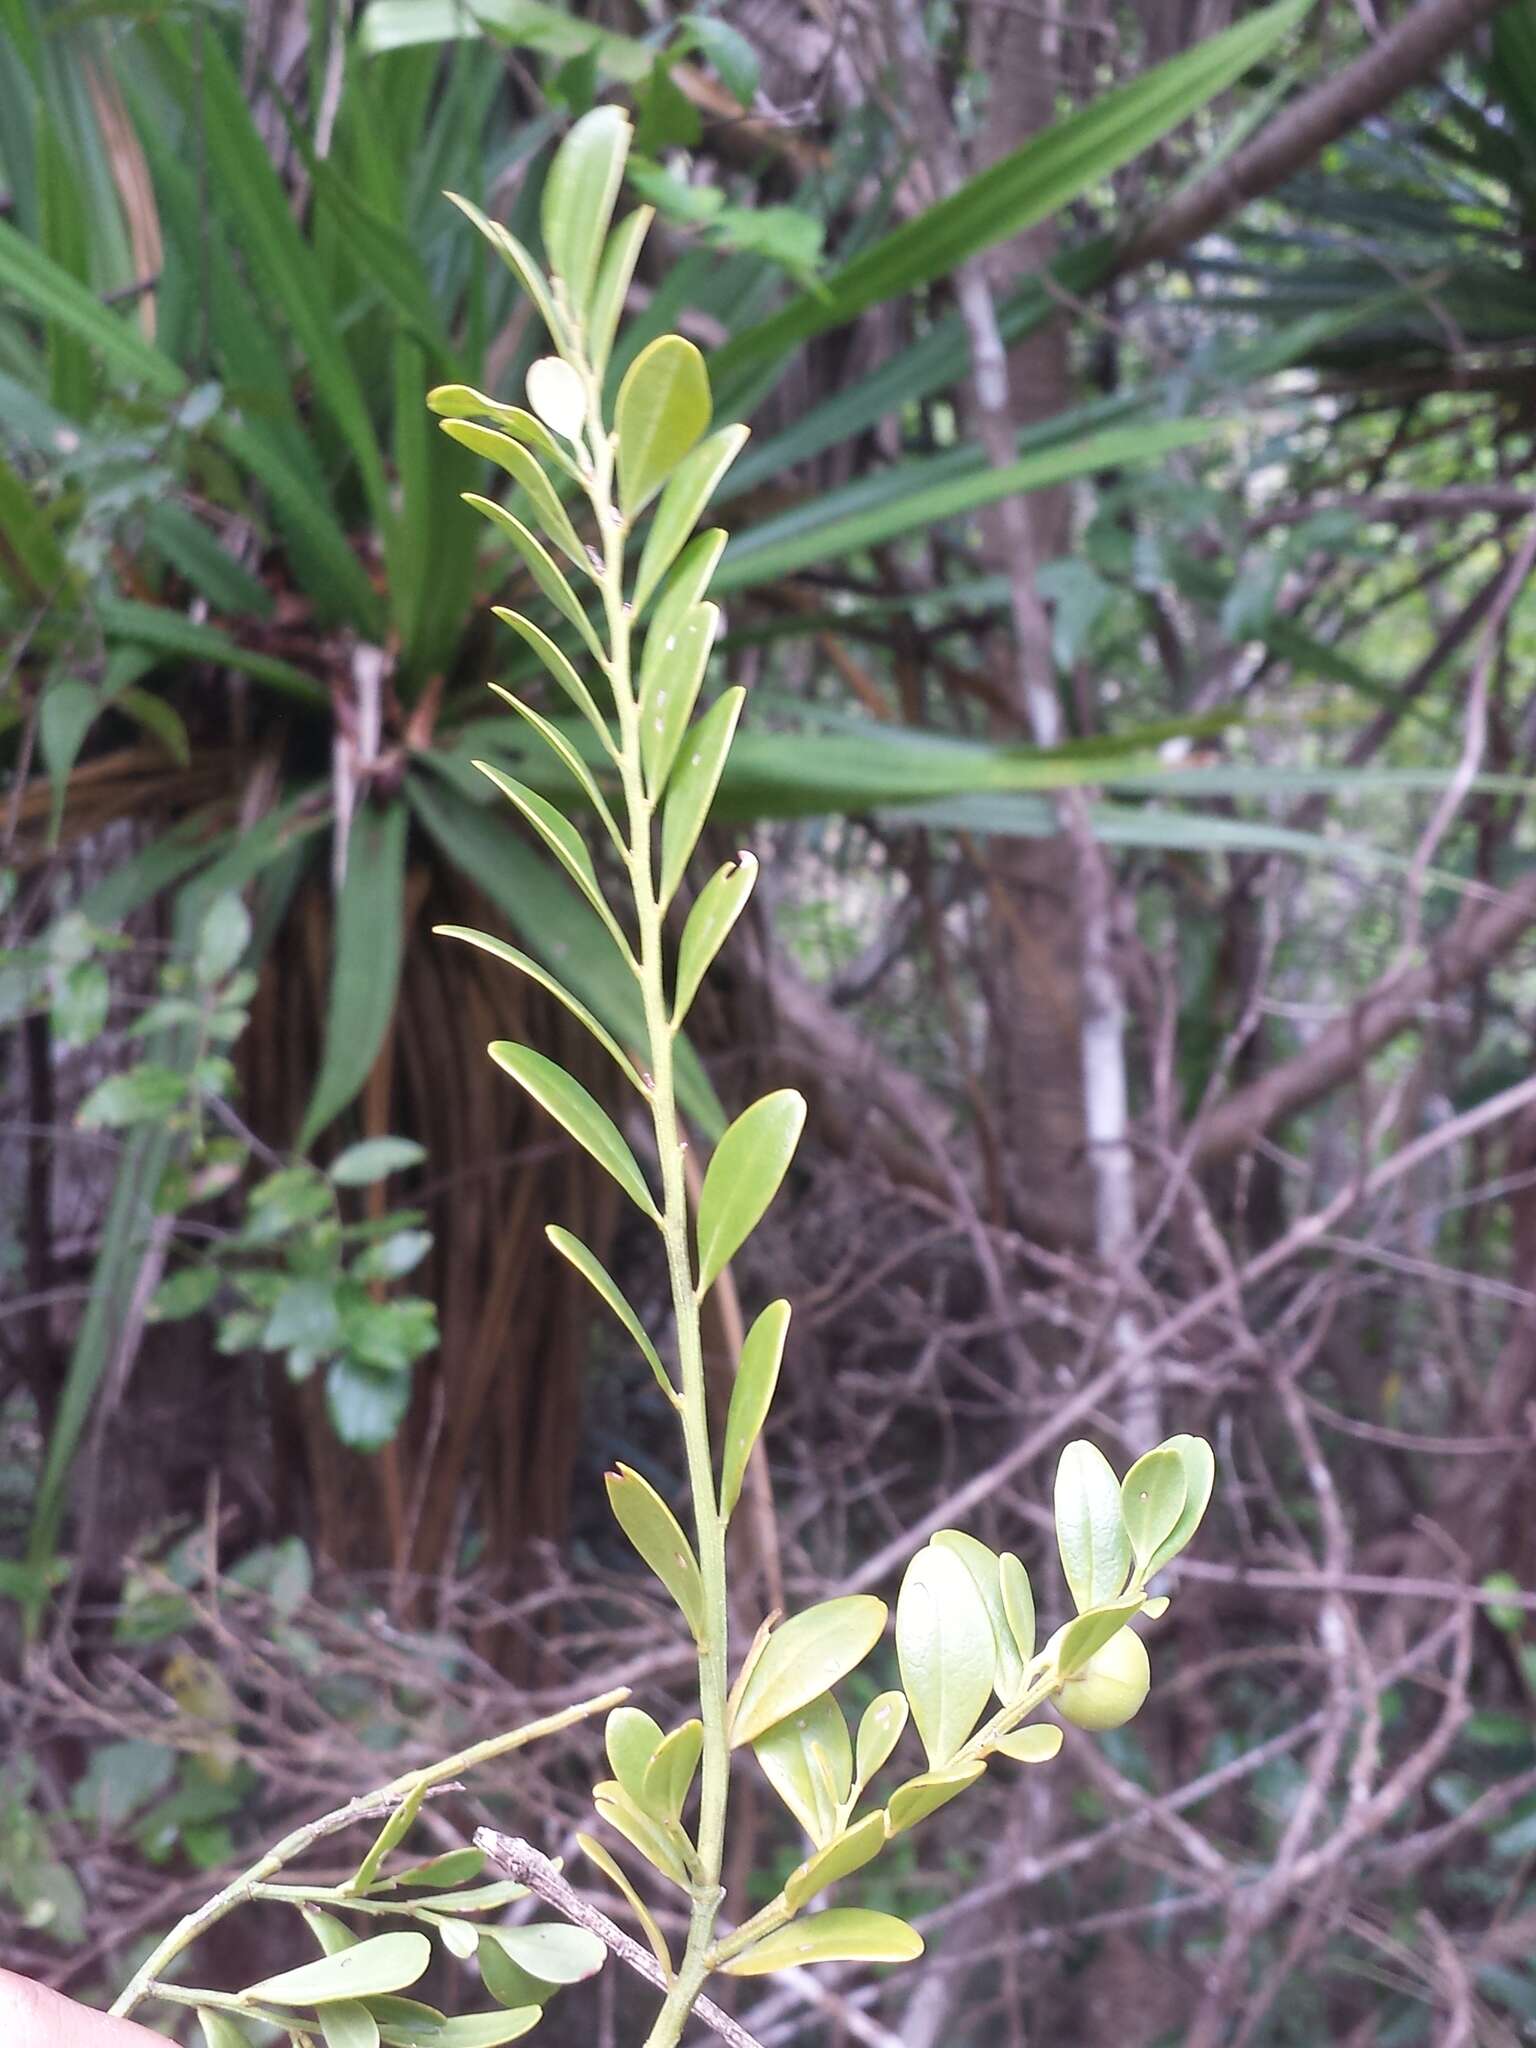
column 520, row 1860
column 1406, row 52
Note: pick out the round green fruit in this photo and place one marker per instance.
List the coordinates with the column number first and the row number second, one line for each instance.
column 1108, row 1690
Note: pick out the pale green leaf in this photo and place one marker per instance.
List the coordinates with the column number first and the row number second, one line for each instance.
column 570, row 760
column 563, row 841
column 612, row 288
column 920, row 1796
column 670, row 1773
column 846, row 1934
column 1090, row 1527
column 946, row 1650
column 517, row 260
column 715, row 911
column 500, row 950
column 485, row 2029
column 662, row 409
column 595, row 1273
column 656, row 1533
column 1076, row 1641
column 463, row 401
column 560, row 668
column 1035, row 1745
column 374, row 1159
column 587, row 1121
column 688, row 491
column 515, row 459
column 985, row 1569
column 881, row 1728
column 649, row 1927
column 743, row 1176
column 577, row 202
column 558, row 396
column 757, row 1375
column 1200, row 1476
column 387, row 1962
column 808, row 1760
column 689, row 580
column 631, row 1739
column 806, row 1656
column 348, row 2024
column 219, row 2031
column 694, row 782
column 553, row 1952
column 1152, row 1497
column 850, row 1852
column 1018, row 1603
column 540, row 566
column 671, row 671
column 628, row 1819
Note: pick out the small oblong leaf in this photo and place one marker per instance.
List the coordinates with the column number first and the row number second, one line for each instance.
column 500, row 950
column 808, row 1760
column 463, row 401
column 484, row 2029
column 576, row 205
column 511, row 456
column 669, row 1774
column 688, row 491
column 631, row 1738
column 882, row 1726
column 946, row 1650
column 569, row 760
column 757, row 1375
column 1035, row 1745
column 671, row 672
column 557, row 395
column 348, row 2024
column 387, row 1962
column 985, row 1568
column 552, row 1951
column 689, row 580
column 598, row 1278
column 1018, row 1603
column 613, row 279
column 613, row 1871
column 454, row 1866
column 1074, row 1643
column 559, row 667
column 219, row 2031
column 1090, row 1527
column 715, row 911
column 540, row 566
column 850, row 1852
column 563, row 841
column 743, row 1176
column 657, row 1534
column 570, row 1105
column 845, row 1934
column 662, row 409
column 517, row 260
column 615, row 1806
column 919, row 1797
column 694, row 782
column 1200, row 1476
column 806, row 1656
column 1152, row 1497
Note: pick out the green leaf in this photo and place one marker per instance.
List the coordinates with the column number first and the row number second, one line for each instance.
column 569, row 1104
column 184, row 1294
column 670, row 1773
column 846, row 1934
column 946, row 1650
column 349, row 2024
column 511, row 456
column 480, row 1898
column 365, row 966
column 806, row 1656
column 688, row 491
column 222, row 938
column 540, row 566
column 631, row 1739
column 1152, row 1497
column 83, row 1003
column 563, row 841
column 517, row 260
column 671, row 670
column 485, row 2029
column 1200, row 1476
column 689, row 580
column 365, row 1403
column 612, row 288
column 500, row 950
column 406, row 2022
column 453, row 1867
column 743, row 1177
column 662, row 409
column 558, row 396
column 850, row 1852
column 656, row 1533
column 881, row 1728
column 219, row 2031
column 392, row 1257
column 808, row 1760
column 710, row 921
column 693, row 787
column 570, row 760
column 559, row 667
column 387, row 1962
column 580, row 190
column 304, row 1314
column 463, row 401
column 146, row 1094
column 596, row 1853
column 985, row 1569
column 1018, row 1603
column 622, row 1814
column 553, row 1952
column 1035, row 1745
column 919, row 1797
column 757, row 1374
column 593, row 1271
column 733, row 57
column 1076, row 1641
column 374, row 1159
column 1090, row 1527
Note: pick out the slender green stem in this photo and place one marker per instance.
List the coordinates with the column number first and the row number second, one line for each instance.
column 709, row 1524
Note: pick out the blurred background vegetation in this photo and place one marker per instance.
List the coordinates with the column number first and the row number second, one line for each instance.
column 1130, row 570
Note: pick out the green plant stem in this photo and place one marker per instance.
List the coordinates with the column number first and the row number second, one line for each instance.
column 369, row 1806
column 709, row 1524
